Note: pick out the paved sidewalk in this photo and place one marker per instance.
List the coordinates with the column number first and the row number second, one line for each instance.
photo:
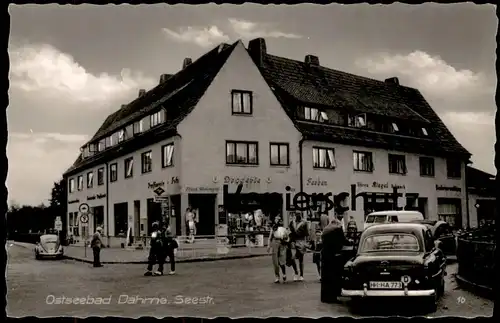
column 133, row 256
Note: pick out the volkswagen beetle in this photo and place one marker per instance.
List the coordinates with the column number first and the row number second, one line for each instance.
column 396, row 260
column 49, row 246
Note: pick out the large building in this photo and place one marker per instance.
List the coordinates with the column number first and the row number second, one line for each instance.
column 243, row 116
column 482, row 196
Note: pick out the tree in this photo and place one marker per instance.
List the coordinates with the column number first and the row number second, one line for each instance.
column 59, row 194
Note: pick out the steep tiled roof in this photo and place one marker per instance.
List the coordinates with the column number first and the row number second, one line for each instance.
column 179, row 94
column 298, row 83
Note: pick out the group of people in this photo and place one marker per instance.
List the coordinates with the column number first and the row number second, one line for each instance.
column 288, row 247
column 163, row 245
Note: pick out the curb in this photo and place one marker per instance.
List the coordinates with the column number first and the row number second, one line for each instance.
column 482, row 290
column 201, row 259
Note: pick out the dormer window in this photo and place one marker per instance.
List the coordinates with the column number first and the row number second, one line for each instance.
column 101, row 145
column 156, row 118
column 121, row 135
column 138, row 127
column 357, row 121
column 314, row 114
column 395, row 127
column 424, row 131
column 360, row 120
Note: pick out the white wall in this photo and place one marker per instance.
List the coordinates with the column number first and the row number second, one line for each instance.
column 340, row 179
column 207, row 128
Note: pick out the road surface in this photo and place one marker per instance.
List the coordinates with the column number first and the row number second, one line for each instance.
column 230, row 288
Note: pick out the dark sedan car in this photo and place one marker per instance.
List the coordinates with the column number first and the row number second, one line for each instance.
column 396, row 260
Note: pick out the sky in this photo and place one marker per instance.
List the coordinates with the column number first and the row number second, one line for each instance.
column 71, row 66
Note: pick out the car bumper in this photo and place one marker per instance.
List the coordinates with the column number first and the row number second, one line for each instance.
column 387, row 293
column 50, row 255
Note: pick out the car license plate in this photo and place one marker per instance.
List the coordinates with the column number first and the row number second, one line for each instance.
column 386, row 285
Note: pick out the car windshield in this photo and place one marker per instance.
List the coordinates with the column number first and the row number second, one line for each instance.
column 376, row 218
column 48, row 239
column 390, row 242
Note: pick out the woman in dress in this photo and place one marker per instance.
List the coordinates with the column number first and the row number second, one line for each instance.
column 278, row 239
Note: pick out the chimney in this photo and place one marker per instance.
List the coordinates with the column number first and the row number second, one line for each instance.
column 392, row 80
column 312, row 60
column 142, row 92
column 257, row 49
column 187, row 61
column 165, row 77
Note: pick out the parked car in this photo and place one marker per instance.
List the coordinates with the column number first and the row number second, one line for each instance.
column 49, row 246
column 443, row 232
column 396, row 260
column 382, row 217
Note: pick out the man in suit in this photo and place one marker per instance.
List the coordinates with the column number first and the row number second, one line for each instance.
column 332, row 261
column 96, row 245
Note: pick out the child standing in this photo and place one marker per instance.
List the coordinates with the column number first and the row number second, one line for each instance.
column 317, row 245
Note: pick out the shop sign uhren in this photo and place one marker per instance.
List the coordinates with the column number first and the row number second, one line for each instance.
column 97, row 196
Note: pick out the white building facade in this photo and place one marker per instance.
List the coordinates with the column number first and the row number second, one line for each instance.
column 240, row 131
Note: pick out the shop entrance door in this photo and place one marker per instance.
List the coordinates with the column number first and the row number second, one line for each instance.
column 204, row 204
column 450, row 211
column 154, row 214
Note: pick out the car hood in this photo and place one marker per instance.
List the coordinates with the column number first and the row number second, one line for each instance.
column 402, row 258
column 50, row 246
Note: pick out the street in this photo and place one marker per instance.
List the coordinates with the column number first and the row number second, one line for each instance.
column 231, row 288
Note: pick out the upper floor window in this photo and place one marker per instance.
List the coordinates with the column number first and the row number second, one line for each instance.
column 90, row 179
column 71, row 186
column 109, row 141
column 121, row 135
column 314, row 114
column 113, row 172
column 426, row 166
column 100, row 176
column 129, row 167
column 101, row 145
column 138, row 127
column 156, row 118
column 397, row 164
column 242, row 152
column 395, row 127
column 241, row 102
column 167, row 155
column 424, row 131
column 279, row 154
column 363, row 161
column 324, row 158
column 146, row 162
column 453, row 168
column 357, row 121
column 80, row 183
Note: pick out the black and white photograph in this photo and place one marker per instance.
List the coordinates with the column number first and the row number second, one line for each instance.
column 251, row 160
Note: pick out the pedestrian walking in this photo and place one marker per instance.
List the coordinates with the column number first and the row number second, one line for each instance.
column 156, row 252
column 190, row 224
column 170, row 245
column 277, row 244
column 300, row 232
column 323, row 220
column 317, row 245
column 332, row 261
column 96, row 245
